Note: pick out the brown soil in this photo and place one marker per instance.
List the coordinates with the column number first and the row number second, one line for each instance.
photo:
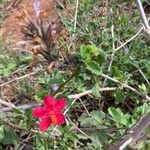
column 20, row 11
column 147, row 9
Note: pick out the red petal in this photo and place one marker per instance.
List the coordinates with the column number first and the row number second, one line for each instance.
column 38, row 112
column 60, row 118
column 45, row 123
column 60, row 104
column 49, row 102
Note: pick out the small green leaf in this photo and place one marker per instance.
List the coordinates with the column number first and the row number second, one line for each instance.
column 11, row 66
column 2, row 66
column 100, row 59
column 119, row 96
column 87, row 52
column 95, row 90
column 6, row 72
column 2, row 115
column 81, row 136
column 97, row 115
column 145, row 108
column 1, row 71
column 84, row 51
column 143, row 88
column 103, row 135
column 10, row 137
column 40, row 95
column 119, row 117
column 116, row 113
column 87, row 121
column 94, row 67
column 2, row 135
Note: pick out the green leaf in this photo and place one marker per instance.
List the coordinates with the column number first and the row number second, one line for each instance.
column 95, row 90
column 6, row 72
column 40, row 95
column 2, row 66
column 119, row 117
column 40, row 142
column 103, row 135
column 119, row 96
column 145, row 108
column 143, row 88
column 81, row 136
column 11, row 66
column 97, row 115
column 95, row 136
column 26, row 59
column 2, row 115
column 84, row 51
column 2, row 132
column 100, row 59
column 87, row 121
column 116, row 113
column 87, row 52
column 10, row 137
column 1, row 71
column 94, row 67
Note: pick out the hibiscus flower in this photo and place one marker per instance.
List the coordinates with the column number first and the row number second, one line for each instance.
column 50, row 113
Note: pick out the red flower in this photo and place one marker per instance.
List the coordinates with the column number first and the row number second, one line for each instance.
column 51, row 113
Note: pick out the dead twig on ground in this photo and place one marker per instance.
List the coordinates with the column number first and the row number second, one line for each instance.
column 140, row 70
column 115, row 50
column 124, row 85
column 10, row 105
column 143, row 17
column 77, row 96
column 133, row 134
column 20, row 107
column 19, row 78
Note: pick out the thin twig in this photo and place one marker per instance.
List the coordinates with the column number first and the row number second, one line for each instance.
column 143, row 16
column 10, row 105
column 114, row 51
column 84, row 107
column 66, row 11
column 126, row 86
column 79, row 95
column 17, row 127
column 129, row 40
column 141, row 72
column 35, row 104
column 133, row 134
column 118, row 48
column 107, row 116
column 76, row 13
column 17, row 79
column 75, row 99
column 79, row 130
column 20, row 107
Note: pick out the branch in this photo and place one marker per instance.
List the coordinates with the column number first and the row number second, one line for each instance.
column 129, row 40
column 126, row 86
column 19, row 78
column 140, row 70
column 133, row 134
column 77, row 96
column 20, row 107
column 118, row 48
column 143, row 16
column 10, row 105
column 76, row 13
